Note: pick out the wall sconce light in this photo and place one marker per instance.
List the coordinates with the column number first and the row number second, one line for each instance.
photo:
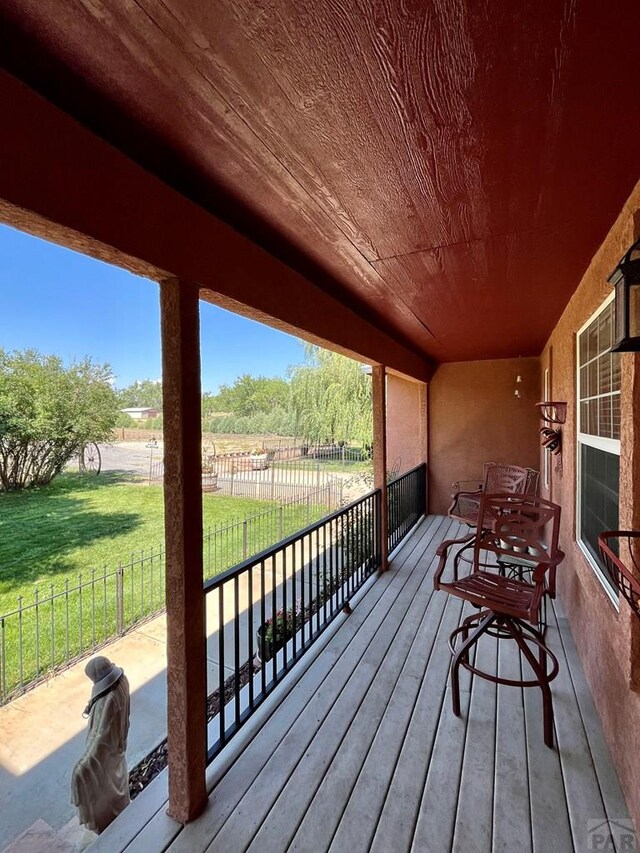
column 517, row 393
column 626, row 280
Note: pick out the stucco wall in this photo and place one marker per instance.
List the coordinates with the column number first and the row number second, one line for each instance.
column 607, row 640
column 406, row 423
column 474, row 417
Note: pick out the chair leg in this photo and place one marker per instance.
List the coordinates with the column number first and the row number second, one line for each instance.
column 468, row 621
column 539, row 668
column 463, row 652
column 542, row 619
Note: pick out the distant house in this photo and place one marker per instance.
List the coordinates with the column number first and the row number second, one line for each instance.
column 140, row 413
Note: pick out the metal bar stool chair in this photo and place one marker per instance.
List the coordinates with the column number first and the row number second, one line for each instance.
column 512, row 527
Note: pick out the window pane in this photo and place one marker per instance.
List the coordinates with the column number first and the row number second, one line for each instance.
column 593, row 417
column 615, row 371
column 599, row 378
column 615, row 416
column 584, row 382
column 592, row 339
column 599, row 485
column 605, row 331
column 604, row 417
column 584, row 417
column 604, row 373
column 593, row 378
column 584, row 355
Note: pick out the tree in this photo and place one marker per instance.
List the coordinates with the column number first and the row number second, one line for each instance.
column 141, row 393
column 331, row 397
column 47, row 413
column 250, row 395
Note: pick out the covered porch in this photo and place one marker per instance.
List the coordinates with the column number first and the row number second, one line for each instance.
column 413, row 186
column 359, row 750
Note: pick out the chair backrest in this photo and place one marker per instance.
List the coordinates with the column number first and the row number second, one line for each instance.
column 521, row 526
column 512, row 479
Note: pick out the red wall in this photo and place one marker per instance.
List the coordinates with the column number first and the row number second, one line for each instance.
column 474, row 417
column 608, row 641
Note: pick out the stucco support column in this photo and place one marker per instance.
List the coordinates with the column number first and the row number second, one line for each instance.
column 186, row 655
column 379, row 400
column 424, row 436
column 406, row 423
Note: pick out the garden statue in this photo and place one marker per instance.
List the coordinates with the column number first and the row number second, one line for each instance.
column 100, row 781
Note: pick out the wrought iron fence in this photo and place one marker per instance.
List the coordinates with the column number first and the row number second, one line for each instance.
column 406, row 503
column 265, row 613
column 245, row 475
column 61, row 624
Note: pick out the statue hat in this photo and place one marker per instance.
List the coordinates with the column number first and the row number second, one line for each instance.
column 103, row 673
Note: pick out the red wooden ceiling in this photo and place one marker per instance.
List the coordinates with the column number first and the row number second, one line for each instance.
column 448, row 167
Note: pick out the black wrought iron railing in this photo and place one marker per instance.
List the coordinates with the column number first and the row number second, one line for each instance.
column 265, row 613
column 406, row 503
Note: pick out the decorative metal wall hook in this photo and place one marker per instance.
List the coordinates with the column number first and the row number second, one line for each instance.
column 552, row 412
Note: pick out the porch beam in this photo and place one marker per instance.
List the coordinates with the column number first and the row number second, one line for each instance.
column 379, row 401
column 186, row 656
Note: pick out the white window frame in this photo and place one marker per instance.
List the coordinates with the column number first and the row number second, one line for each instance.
column 609, row 445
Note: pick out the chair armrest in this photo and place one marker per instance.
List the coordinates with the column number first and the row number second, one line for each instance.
column 543, row 567
column 466, row 485
column 443, row 553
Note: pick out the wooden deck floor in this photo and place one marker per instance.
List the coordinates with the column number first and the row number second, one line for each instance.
column 364, row 753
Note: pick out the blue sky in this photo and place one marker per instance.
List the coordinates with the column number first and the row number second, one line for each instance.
column 58, row 301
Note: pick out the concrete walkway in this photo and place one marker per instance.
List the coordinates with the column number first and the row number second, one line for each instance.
column 42, row 733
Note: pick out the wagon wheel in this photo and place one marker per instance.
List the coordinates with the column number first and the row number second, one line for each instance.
column 90, row 459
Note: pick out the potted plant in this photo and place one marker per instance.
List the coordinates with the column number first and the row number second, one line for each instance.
column 273, row 634
column 209, row 472
column 259, row 457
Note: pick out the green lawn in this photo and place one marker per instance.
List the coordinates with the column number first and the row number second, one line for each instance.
column 89, row 526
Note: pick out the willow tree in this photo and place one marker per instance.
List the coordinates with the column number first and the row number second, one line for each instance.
column 331, row 396
column 47, row 413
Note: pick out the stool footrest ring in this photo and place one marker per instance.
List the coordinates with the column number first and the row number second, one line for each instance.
column 503, row 628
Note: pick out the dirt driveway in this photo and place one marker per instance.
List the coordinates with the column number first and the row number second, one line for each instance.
column 131, row 457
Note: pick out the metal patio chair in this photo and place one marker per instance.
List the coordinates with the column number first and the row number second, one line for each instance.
column 497, row 479
column 514, row 527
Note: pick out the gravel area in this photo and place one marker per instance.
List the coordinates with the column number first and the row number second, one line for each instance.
column 131, row 457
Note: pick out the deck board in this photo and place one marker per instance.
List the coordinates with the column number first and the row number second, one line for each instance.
column 396, row 821
column 340, row 772
column 474, row 817
column 325, row 720
column 364, row 752
column 511, row 814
